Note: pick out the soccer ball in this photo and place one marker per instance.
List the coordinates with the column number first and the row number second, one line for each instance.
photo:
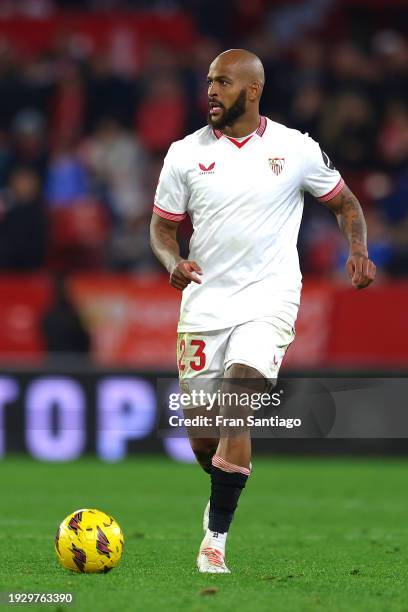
column 89, row 541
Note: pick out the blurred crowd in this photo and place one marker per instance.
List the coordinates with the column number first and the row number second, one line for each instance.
column 83, row 134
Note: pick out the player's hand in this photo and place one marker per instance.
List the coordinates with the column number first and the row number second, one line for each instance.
column 361, row 270
column 185, row 272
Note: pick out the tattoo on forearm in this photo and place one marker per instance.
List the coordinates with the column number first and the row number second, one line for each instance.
column 357, row 230
column 351, row 218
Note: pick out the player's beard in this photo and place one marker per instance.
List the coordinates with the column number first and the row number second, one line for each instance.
column 229, row 115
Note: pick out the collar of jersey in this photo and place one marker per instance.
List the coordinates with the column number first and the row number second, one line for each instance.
column 240, row 143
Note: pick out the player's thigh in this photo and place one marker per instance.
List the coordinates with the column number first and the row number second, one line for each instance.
column 261, row 345
column 201, row 353
column 200, row 358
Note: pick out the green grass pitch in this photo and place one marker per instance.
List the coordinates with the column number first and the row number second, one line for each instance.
column 309, row 534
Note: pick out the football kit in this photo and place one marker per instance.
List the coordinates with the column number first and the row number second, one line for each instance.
column 245, row 200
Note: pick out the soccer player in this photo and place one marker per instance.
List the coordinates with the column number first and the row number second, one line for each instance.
column 241, row 180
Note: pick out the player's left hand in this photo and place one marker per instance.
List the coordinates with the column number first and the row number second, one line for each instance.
column 361, row 270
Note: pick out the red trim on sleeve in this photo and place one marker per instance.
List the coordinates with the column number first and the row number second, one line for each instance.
column 336, row 190
column 166, row 215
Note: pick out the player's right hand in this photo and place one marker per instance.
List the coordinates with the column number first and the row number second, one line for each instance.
column 185, row 272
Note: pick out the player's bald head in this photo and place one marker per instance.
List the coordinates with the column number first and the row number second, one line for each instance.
column 241, row 64
column 235, row 82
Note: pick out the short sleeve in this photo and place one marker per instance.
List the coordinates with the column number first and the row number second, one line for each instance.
column 170, row 201
column 320, row 177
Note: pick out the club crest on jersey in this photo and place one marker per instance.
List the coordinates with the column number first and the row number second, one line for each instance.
column 207, row 169
column 276, row 164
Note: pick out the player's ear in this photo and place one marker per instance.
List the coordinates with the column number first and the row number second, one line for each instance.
column 254, row 91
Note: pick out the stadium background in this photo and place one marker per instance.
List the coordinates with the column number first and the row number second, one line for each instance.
column 92, row 92
column 91, row 96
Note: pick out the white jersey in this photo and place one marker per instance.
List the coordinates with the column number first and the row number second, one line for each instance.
column 245, row 200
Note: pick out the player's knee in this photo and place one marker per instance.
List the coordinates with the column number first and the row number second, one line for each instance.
column 240, row 370
column 204, row 449
column 204, row 446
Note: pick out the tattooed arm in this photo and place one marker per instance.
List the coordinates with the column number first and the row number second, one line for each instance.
column 351, row 220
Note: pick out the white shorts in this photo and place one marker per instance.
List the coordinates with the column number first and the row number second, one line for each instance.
column 260, row 344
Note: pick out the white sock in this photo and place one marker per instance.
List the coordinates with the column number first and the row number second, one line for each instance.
column 216, row 540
